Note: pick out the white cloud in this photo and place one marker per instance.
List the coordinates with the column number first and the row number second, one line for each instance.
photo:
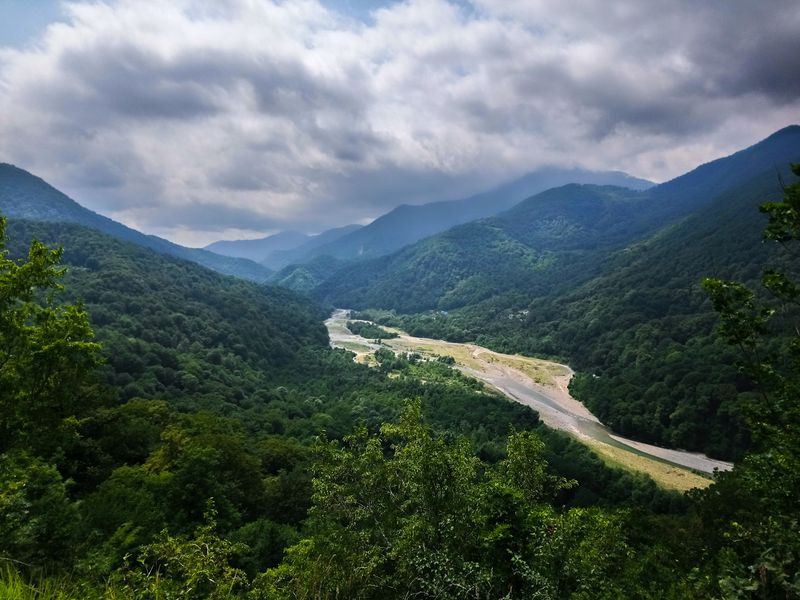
column 257, row 115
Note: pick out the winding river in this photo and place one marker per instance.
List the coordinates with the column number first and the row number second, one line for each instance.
column 541, row 385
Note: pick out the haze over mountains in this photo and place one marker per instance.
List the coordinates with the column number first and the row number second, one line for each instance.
column 550, row 240
column 278, row 250
column 407, row 224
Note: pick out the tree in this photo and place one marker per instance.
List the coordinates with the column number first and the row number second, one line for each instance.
column 756, row 507
column 184, row 568
column 408, row 513
column 46, row 359
column 46, row 354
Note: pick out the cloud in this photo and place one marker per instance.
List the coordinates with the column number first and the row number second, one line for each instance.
column 192, row 119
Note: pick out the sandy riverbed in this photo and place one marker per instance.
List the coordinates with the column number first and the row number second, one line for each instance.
column 543, row 385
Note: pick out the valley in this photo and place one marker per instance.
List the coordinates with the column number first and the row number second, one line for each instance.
column 213, row 412
column 394, row 299
column 543, row 386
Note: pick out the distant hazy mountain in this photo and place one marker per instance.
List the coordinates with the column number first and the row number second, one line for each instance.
column 407, row 224
column 257, row 249
column 25, row 196
column 307, row 250
column 281, row 249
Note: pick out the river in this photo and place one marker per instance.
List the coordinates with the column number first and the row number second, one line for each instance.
column 541, row 385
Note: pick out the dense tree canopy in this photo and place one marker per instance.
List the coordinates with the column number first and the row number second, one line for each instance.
column 756, row 507
column 117, row 484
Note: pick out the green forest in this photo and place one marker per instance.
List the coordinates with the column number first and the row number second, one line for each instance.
column 370, row 331
column 642, row 332
column 169, row 432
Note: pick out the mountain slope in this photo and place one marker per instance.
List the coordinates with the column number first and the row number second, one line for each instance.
column 472, row 262
column 642, row 333
column 25, row 196
column 304, row 277
column 548, row 242
column 639, row 330
column 256, row 250
column 407, row 224
column 172, row 330
column 307, row 250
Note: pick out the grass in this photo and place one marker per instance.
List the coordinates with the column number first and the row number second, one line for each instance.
column 13, row 586
column 664, row 474
column 542, row 372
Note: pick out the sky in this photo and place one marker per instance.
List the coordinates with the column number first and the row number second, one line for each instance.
column 229, row 119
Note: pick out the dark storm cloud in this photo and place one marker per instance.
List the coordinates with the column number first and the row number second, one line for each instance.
column 193, row 119
column 134, row 82
column 766, row 65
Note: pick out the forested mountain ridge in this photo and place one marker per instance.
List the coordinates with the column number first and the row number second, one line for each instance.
column 549, row 241
column 25, row 196
column 176, row 330
column 640, row 331
column 306, row 276
column 407, row 223
column 472, row 262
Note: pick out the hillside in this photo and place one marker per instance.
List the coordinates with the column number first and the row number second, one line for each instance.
column 548, row 242
column 606, row 279
column 213, row 389
column 305, row 277
column 25, row 196
column 172, row 329
column 407, row 224
column 258, row 249
column 478, row 260
column 642, row 333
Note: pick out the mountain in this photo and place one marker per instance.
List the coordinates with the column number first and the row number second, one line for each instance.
column 256, row 250
column 612, row 287
column 407, row 224
column 173, row 330
column 307, row 250
column 284, row 248
column 25, row 196
column 304, row 277
column 551, row 241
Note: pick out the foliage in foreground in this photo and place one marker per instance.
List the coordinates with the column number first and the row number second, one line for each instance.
column 409, row 514
column 756, row 508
